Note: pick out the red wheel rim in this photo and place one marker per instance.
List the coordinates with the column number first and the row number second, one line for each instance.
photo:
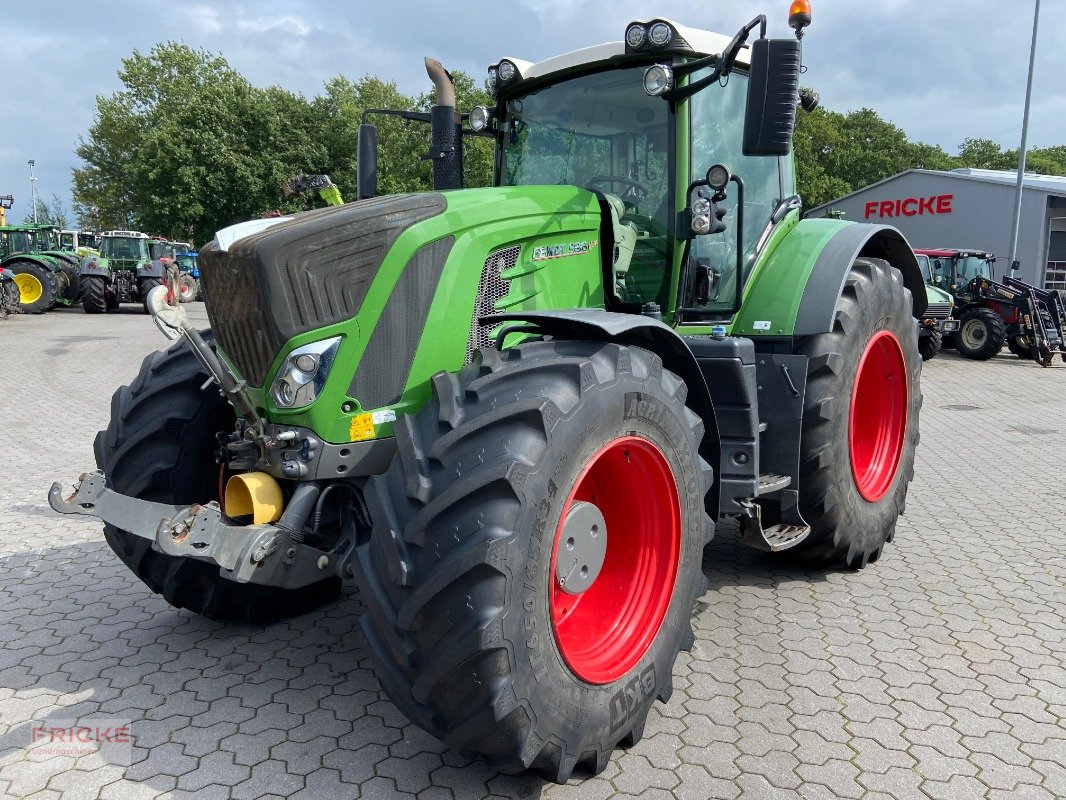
column 603, row 632
column 878, row 419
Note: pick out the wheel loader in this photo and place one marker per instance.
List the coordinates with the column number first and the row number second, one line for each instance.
column 512, row 416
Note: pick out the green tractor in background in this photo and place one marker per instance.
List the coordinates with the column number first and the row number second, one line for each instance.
column 513, row 415
column 123, row 271
column 938, row 320
column 83, row 243
column 45, row 274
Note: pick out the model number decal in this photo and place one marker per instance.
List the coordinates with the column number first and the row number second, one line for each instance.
column 548, row 251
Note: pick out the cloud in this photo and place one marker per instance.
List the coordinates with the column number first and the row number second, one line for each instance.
column 939, row 72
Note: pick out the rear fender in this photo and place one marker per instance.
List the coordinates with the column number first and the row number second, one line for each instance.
column 595, row 324
column 94, row 267
column 794, row 289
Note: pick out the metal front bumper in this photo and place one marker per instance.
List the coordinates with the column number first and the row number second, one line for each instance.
column 263, row 554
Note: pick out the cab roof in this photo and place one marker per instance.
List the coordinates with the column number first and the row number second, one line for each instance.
column 684, row 41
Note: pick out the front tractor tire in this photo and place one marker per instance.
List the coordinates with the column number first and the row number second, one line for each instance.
column 536, row 553
column 930, row 344
column 860, row 421
column 160, row 446
column 981, row 334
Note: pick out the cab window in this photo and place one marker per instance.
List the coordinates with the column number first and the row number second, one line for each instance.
column 717, row 121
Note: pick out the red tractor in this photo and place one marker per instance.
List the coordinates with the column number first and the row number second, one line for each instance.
column 1029, row 320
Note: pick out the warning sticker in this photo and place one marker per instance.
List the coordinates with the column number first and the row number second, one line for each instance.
column 383, row 416
column 362, row 427
column 761, row 325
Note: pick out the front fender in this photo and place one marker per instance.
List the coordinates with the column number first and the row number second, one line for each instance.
column 42, row 262
column 794, row 289
column 152, row 270
column 595, row 324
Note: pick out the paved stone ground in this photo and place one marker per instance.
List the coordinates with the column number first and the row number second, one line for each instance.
column 937, row 672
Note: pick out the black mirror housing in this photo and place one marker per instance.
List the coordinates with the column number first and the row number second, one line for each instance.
column 773, row 89
column 366, row 176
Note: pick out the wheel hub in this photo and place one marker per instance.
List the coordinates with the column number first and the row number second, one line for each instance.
column 878, row 419
column 974, row 333
column 582, row 548
column 608, row 596
column 30, row 289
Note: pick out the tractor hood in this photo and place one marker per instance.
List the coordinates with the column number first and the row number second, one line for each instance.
column 937, row 295
column 396, row 277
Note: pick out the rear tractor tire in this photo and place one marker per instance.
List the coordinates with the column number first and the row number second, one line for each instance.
column 160, row 445
column 536, row 553
column 930, row 345
column 94, row 295
column 981, row 334
column 187, row 288
column 860, row 421
column 145, row 286
column 36, row 285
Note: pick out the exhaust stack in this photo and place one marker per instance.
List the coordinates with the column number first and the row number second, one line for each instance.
column 445, row 148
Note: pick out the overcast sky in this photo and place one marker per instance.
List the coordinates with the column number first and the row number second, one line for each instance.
column 941, row 69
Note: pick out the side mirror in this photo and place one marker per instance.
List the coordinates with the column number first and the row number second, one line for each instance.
column 366, row 176
column 773, row 88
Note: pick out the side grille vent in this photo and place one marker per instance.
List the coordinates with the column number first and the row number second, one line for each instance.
column 938, row 310
column 491, row 289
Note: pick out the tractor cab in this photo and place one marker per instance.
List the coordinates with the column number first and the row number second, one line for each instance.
column 955, row 270
column 640, row 123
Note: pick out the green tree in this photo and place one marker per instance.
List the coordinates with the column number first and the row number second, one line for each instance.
column 49, row 214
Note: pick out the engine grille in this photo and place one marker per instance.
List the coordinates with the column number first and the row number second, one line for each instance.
column 300, row 275
column 938, row 310
column 490, row 290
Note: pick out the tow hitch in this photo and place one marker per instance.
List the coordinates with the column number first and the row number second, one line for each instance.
column 266, row 554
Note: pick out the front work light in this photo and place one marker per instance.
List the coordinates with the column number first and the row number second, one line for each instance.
column 507, row 71
column 718, row 177
column 635, row 34
column 658, row 79
column 660, row 34
column 480, row 118
column 799, row 16
column 304, row 373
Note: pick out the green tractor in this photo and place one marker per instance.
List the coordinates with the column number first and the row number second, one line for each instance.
column 45, row 274
column 513, row 415
column 938, row 319
column 124, row 271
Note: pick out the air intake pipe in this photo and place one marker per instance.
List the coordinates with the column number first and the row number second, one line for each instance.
column 445, row 143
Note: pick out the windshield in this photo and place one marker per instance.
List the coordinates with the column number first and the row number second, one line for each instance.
column 923, row 265
column 85, row 240
column 161, row 250
column 601, row 132
column 23, row 242
column 66, row 241
column 970, row 267
column 126, row 248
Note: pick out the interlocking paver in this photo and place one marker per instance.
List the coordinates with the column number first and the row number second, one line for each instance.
column 937, row 672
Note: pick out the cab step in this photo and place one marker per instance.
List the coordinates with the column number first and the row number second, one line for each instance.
column 771, row 483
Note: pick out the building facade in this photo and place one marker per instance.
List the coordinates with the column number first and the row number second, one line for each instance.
column 970, row 209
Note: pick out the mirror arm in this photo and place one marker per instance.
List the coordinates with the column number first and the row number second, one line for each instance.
column 722, row 63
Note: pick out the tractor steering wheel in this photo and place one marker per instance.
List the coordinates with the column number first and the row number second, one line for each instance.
column 636, row 192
